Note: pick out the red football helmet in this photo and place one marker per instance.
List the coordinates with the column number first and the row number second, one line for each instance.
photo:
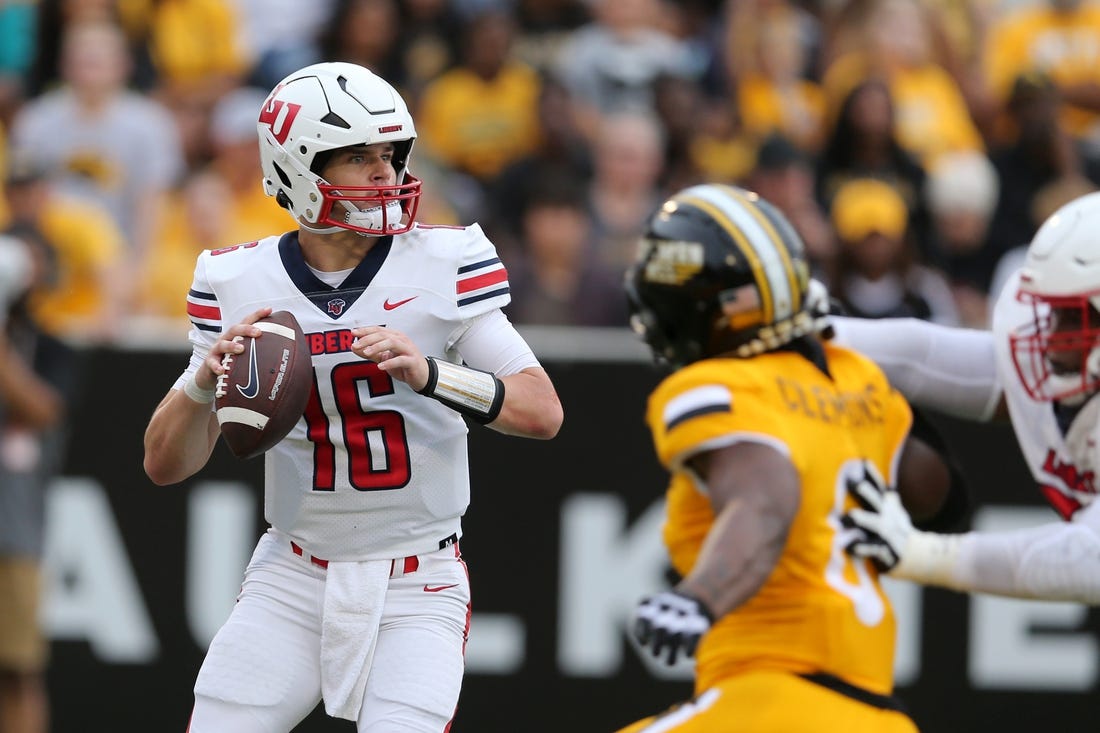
column 322, row 108
column 1057, row 355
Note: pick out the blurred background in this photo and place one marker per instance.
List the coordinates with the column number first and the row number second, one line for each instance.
column 915, row 145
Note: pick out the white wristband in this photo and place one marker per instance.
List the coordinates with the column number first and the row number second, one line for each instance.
column 197, row 393
column 930, row 558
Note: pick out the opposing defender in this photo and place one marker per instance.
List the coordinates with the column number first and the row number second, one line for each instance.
column 762, row 425
column 357, row 594
column 1041, row 361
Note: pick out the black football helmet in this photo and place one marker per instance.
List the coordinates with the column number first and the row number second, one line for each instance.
column 719, row 271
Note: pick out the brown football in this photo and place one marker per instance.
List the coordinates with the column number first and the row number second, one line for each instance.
column 265, row 388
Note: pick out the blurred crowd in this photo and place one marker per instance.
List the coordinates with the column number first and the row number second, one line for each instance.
column 914, row 144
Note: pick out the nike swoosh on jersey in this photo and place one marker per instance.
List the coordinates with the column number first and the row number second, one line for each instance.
column 252, row 388
column 390, row 306
column 437, row 588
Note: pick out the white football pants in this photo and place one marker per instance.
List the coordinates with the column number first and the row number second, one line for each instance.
column 262, row 673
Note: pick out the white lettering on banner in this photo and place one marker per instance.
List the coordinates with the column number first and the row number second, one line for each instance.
column 606, row 567
column 906, row 599
column 90, row 590
column 496, row 645
column 221, row 534
column 1006, row 650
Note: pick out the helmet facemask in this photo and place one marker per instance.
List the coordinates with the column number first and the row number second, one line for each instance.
column 1057, row 355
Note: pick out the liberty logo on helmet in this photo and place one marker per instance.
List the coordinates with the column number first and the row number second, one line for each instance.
column 336, row 306
column 270, row 115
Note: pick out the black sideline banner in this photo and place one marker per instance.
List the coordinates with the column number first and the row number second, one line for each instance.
column 561, row 539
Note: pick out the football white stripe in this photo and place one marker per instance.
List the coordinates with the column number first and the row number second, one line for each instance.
column 242, row 416
column 774, row 269
column 277, row 329
column 713, row 395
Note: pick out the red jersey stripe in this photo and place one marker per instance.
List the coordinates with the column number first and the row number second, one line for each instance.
column 210, row 312
column 482, row 281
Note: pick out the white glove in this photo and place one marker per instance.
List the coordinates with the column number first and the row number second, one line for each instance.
column 884, row 526
column 671, row 622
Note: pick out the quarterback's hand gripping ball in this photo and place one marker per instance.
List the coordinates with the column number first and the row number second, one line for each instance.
column 264, row 390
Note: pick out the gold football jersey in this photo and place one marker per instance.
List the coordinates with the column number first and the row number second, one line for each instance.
column 820, row 610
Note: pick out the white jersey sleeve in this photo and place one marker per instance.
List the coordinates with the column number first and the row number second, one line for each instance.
column 491, row 342
column 481, row 283
column 951, row 370
column 206, row 319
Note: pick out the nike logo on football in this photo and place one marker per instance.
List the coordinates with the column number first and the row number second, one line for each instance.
column 251, row 389
column 437, row 588
column 390, row 306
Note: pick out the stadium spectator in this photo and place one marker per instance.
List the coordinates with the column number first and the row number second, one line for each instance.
column 89, row 293
column 100, row 140
column 481, row 115
column 1038, row 158
column 721, row 150
column 962, row 195
column 364, row 32
column 679, row 103
column 193, row 47
column 561, row 150
column 1057, row 39
column 878, row 274
column 610, row 64
column 279, row 36
column 627, row 159
column 35, row 387
column 557, row 280
column 932, row 116
column 17, row 24
column 768, row 67
column 863, row 143
column 784, row 631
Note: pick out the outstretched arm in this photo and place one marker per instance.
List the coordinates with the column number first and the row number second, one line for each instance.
column 1053, row 562
column 950, row 370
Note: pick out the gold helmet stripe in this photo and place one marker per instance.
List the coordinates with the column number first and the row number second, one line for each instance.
column 721, row 214
column 781, row 245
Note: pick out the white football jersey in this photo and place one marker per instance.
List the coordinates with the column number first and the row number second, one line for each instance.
column 373, row 470
column 1063, row 465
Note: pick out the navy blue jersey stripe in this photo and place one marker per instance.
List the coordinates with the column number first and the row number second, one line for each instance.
column 202, row 296
column 483, row 296
column 704, row 410
column 478, row 265
column 204, row 327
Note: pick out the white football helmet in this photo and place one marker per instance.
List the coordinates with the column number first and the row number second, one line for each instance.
column 1057, row 356
column 322, row 108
